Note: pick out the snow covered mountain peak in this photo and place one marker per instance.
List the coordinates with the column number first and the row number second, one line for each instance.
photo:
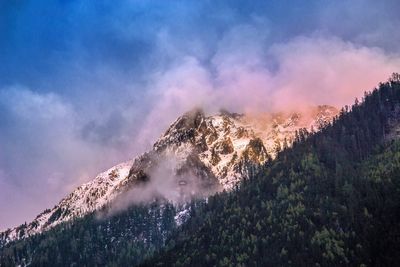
column 196, row 156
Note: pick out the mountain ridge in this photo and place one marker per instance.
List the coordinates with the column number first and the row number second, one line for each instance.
column 210, row 154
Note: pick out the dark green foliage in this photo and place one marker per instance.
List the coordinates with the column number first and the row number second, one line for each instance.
column 120, row 240
column 331, row 200
column 57, row 214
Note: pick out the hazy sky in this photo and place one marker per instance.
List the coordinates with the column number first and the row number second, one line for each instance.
column 87, row 84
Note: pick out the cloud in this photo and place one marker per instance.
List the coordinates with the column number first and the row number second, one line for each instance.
column 251, row 76
column 162, row 186
column 47, row 149
column 318, row 70
column 167, row 180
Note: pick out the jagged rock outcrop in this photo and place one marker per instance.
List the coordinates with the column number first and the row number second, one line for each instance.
column 198, row 155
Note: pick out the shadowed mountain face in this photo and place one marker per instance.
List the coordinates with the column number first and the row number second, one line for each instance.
column 197, row 156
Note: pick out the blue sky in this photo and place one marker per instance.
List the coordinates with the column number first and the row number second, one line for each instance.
column 87, row 84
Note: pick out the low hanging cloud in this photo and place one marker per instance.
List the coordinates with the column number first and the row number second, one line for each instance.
column 304, row 71
column 167, row 181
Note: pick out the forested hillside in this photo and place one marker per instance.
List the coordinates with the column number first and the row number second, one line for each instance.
column 95, row 240
column 333, row 199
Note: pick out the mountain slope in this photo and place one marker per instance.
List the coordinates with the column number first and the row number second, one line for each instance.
column 331, row 200
column 197, row 156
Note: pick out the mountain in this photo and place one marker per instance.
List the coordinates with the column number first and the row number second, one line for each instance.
column 330, row 199
column 84, row 199
column 197, row 156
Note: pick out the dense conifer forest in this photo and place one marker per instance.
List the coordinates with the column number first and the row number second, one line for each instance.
column 95, row 240
column 333, row 199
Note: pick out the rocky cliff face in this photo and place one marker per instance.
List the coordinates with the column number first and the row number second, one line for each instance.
column 198, row 155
